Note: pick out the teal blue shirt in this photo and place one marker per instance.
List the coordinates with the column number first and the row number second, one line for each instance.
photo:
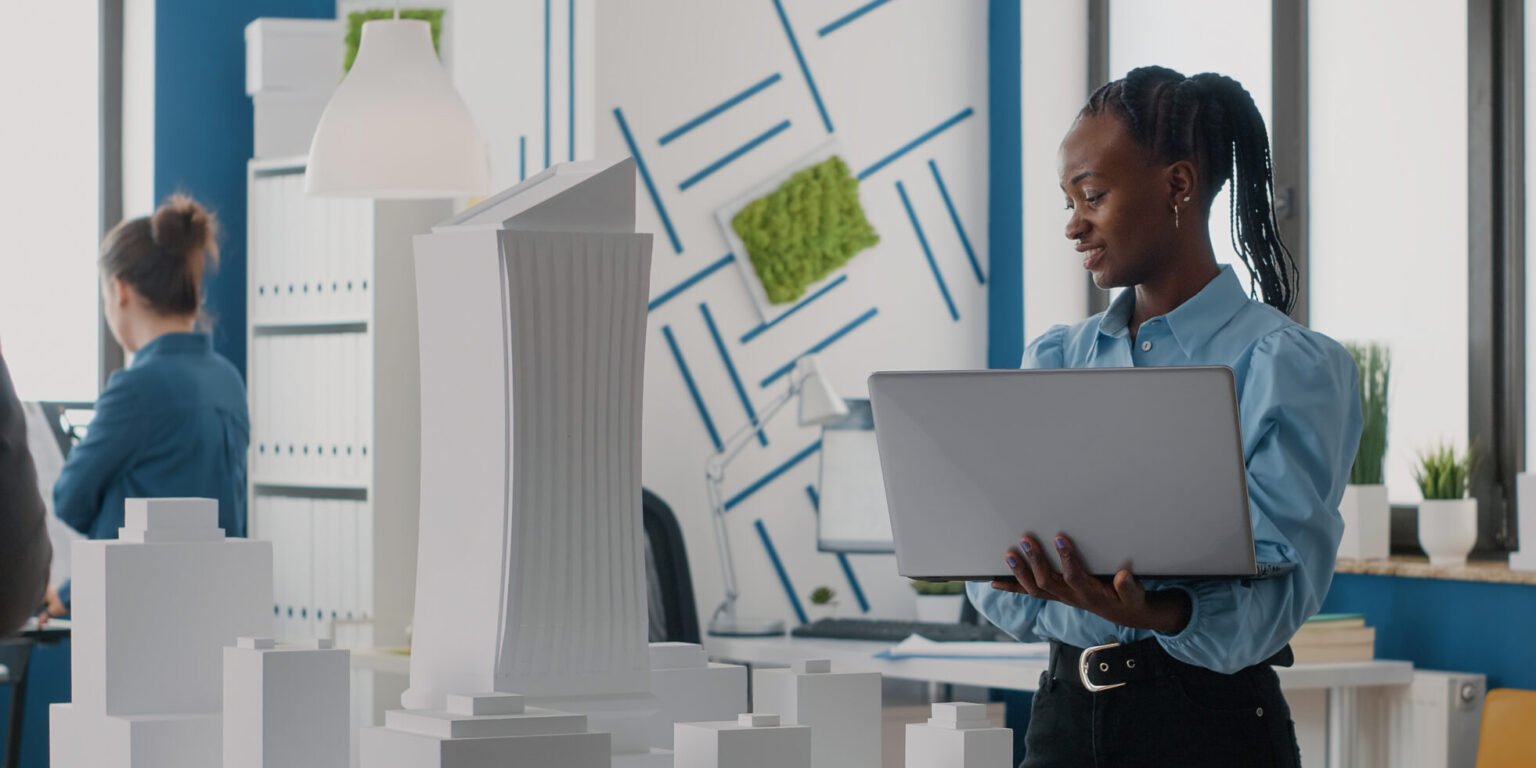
column 172, row 424
column 1299, row 398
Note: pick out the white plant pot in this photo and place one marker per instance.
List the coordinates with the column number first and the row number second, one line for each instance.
column 940, row 608
column 1447, row 530
column 1367, row 522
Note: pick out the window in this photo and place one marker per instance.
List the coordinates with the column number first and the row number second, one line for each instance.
column 1161, row 33
column 50, row 153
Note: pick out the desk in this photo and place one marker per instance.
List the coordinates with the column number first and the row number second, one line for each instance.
column 1339, row 681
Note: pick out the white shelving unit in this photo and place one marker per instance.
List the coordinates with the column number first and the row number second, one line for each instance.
column 332, row 375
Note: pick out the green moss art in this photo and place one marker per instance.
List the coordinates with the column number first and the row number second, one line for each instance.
column 433, row 16
column 804, row 230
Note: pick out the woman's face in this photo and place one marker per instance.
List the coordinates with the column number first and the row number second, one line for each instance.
column 1120, row 201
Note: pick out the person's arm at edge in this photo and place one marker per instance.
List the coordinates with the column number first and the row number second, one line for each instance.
column 25, row 551
column 1297, row 467
column 110, row 440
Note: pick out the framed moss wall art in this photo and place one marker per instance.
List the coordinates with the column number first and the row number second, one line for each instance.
column 797, row 229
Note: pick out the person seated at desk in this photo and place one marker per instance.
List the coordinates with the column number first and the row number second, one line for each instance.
column 174, row 422
column 24, row 547
column 1141, row 167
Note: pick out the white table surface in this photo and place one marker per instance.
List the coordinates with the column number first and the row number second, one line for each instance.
column 1009, row 674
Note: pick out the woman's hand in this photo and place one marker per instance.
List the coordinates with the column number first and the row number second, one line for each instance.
column 1121, row 600
column 53, row 607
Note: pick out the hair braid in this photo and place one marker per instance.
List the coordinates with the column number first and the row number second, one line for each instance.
column 1211, row 120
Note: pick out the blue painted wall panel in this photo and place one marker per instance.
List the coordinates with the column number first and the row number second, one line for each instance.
column 203, row 130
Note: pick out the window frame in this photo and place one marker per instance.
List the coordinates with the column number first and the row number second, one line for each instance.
column 109, row 354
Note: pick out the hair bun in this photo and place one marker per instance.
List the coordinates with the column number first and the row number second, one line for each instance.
column 182, row 226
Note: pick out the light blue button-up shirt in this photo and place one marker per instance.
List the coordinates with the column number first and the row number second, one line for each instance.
column 1298, row 394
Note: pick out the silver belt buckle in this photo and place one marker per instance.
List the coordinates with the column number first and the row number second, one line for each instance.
column 1082, row 668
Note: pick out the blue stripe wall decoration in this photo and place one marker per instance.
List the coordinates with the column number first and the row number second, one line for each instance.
column 730, row 369
column 645, row 176
column 717, row 110
column 689, row 282
column 693, row 388
column 820, row 346
column 733, row 155
column 842, row 557
column 522, row 158
column 954, row 216
column 922, row 239
column 772, row 475
column 810, row 82
column 822, row 291
column 778, row 567
column 853, row 15
column 915, row 143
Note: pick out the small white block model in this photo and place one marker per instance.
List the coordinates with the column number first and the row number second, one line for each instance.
column 153, row 612
column 841, row 708
column 690, row 689
column 959, row 736
column 286, row 706
column 475, row 731
column 750, row 741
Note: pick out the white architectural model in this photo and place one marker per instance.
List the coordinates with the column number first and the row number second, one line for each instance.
column 153, row 612
column 530, row 567
column 690, row 689
column 750, row 741
column 479, row 731
column 959, row 736
column 841, row 708
column 286, row 706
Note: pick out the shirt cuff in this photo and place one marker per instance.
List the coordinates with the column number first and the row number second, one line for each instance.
column 1195, row 616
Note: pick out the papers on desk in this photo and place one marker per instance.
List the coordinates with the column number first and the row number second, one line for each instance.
column 919, row 647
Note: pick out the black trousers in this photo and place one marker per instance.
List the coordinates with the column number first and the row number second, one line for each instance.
column 1188, row 717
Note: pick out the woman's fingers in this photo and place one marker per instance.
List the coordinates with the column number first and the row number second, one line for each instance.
column 1128, row 588
column 1073, row 570
column 1039, row 565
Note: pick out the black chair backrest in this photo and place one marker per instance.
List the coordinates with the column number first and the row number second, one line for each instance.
column 674, row 616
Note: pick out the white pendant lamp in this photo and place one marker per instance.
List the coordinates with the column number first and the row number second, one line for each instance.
column 395, row 127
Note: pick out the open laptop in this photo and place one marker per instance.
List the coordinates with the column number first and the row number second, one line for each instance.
column 1142, row 467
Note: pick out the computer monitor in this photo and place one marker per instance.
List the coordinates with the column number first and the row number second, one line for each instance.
column 853, row 515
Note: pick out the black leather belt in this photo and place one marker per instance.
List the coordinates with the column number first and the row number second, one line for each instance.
column 1109, row 666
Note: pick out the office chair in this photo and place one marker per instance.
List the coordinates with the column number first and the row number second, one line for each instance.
column 1505, row 737
column 15, row 654
column 669, row 584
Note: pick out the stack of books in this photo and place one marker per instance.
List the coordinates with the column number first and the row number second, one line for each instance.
column 1332, row 637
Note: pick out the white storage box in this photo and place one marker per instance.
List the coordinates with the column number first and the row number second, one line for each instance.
column 293, row 55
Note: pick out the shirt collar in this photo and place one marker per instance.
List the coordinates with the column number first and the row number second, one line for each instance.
column 175, row 344
column 1192, row 323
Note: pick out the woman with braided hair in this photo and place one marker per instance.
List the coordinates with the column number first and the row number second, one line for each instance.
column 1179, row 672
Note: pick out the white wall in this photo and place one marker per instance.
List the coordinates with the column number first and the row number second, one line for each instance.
column 885, row 79
column 1055, row 54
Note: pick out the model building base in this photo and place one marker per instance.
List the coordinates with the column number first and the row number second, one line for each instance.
column 475, row 731
column 627, row 719
column 841, row 708
column 78, row 739
column 690, row 689
column 959, row 736
column 749, row 741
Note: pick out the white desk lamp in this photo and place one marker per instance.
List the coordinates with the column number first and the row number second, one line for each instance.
column 819, row 404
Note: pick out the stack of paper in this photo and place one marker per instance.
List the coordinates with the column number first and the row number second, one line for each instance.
column 919, row 647
column 1331, row 637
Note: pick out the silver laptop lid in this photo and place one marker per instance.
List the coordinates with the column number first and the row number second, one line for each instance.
column 1142, row 467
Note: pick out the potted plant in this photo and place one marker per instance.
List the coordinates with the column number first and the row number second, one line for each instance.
column 1365, row 509
column 823, row 602
column 1447, row 519
column 939, row 601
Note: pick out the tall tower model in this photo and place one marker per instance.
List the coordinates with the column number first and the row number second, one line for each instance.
column 530, row 574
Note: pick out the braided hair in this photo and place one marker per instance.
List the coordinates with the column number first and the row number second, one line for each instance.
column 1211, row 119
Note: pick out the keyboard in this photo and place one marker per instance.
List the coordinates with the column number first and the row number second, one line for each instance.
column 895, row 631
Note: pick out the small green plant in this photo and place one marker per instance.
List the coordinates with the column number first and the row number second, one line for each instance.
column 355, row 19
column 805, row 229
column 822, row 596
column 1375, row 364
column 938, row 587
column 1442, row 473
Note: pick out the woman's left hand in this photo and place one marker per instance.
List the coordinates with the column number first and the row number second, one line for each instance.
column 1121, row 600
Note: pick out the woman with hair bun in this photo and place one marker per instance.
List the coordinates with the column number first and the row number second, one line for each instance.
column 174, row 421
